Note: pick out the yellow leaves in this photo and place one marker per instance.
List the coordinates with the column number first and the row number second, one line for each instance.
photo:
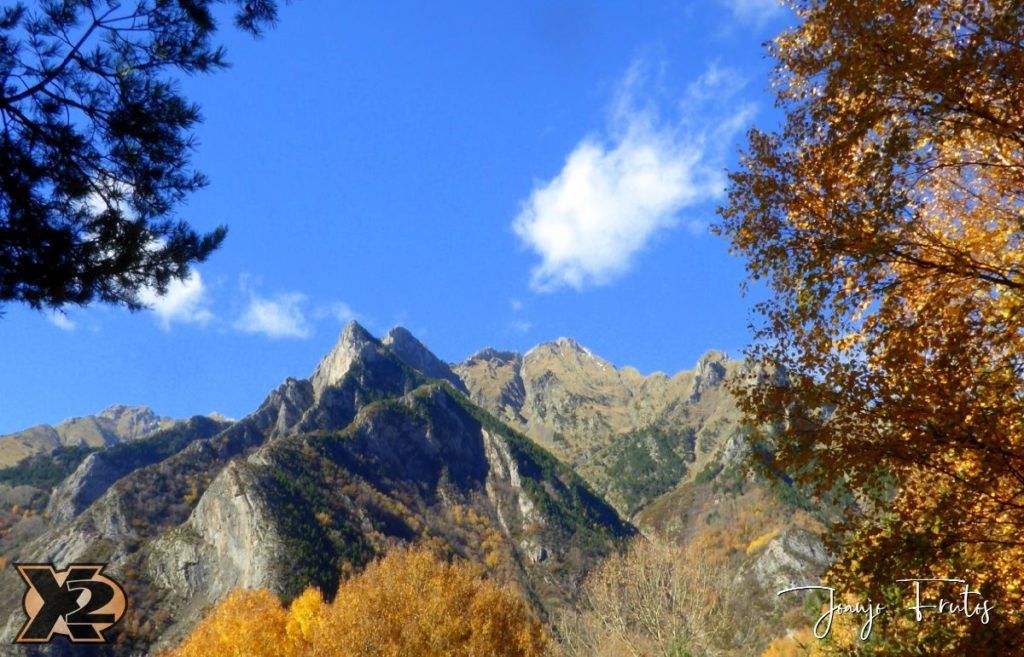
column 246, row 623
column 305, row 612
column 801, row 643
column 848, row 342
column 408, row 604
column 762, row 542
column 887, row 219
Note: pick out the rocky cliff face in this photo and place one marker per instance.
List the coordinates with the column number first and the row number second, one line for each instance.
column 379, row 447
column 493, row 380
column 795, row 557
column 575, row 401
column 354, row 345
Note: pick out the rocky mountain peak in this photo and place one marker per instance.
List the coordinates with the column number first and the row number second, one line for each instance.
column 130, row 422
column 565, row 350
column 400, row 336
column 354, row 344
column 114, row 424
column 115, row 411
column 370, row 452
column 709, row 372
column 403, row 344
column 567, row 344
column 712, row 356
column 627, row 433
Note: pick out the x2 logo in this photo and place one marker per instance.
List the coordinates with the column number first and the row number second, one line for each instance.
column 79, row 602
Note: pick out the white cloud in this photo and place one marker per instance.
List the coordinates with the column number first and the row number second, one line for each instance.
column 186, row 301
column 717, row 82
column 337, row 310
column 285, row 315
column 754, row 12
column 515, row 304
column 60, row 320
column 521, row 326
column 617, row 191
column 280, row 316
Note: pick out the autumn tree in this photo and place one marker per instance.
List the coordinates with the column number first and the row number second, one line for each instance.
column 95, row 139
column 411, row 603
column 653, row 601
column 407, row 604
column 886, row 217
column 244, row 624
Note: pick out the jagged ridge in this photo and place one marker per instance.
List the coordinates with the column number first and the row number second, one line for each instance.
column 378, row 447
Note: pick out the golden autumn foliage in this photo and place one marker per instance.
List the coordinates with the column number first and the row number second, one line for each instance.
column 842, row 639
column 245, row 623
column 799, row 644
column 841, row 636
column 887, row 218
column 654, row 601
column 762, row 541
column 408, row 604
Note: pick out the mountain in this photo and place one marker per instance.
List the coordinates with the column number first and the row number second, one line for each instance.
column 667, row 451
column 504, row 459
column 379, row 447
column 632, row 437
column 111, row 426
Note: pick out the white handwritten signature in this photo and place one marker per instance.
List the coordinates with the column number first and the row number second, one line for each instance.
column 968, row 603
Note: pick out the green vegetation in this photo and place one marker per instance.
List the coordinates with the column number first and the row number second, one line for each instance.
column 708, row 473
column 310, row 516
column 162, row 444
column 553, row 487
column 648, row 463
column 44, row 471
column 732, row 479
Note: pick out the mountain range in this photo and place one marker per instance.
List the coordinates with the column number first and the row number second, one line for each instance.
column 632, row 437
column 535, row 466
column 109, row 427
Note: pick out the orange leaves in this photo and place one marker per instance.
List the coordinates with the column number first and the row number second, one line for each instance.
column 304, row 616
column 408, row 604
column 888, row 219
column 246, row 623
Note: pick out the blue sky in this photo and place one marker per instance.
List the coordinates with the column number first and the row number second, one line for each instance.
column 484, row 174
